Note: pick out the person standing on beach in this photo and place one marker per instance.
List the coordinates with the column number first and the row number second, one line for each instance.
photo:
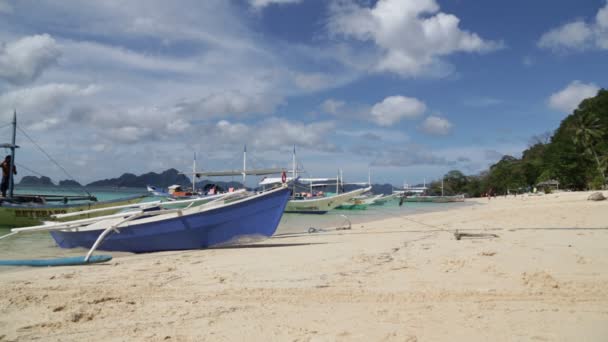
column 6, row 166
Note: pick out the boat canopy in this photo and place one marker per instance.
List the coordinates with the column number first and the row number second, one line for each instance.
column 274, row 180
column 260, row 172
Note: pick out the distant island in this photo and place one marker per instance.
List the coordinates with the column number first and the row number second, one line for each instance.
column 69, row 183
column 129, row 180
column 36, row 181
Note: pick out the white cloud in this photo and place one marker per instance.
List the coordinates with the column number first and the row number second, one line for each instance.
column 201, row 22
column 229, row 103
column 410, row 36
column 274, row 134
column 178, row 126
column 436, row 126
column 332, row 106
column 259, row 4
column 24, row 60
column 408, row 155
column 394, row 108
column 568, row 99
column 45, row 124
column 5, row 7
column 129, row 134
column 91, row 54
column 34, row 104
column 383, row 134
column 98, row 147
column 572, row 35
column 232, row 133
column 579, row 35
column 278, row 133
column 481, row 101
column 313, row 81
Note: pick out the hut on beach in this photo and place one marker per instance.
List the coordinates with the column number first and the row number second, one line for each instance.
column 551, row 184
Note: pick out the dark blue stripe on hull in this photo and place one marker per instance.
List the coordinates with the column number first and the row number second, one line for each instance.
column 306, row 212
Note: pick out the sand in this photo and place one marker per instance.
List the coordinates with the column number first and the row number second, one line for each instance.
column 544, row 278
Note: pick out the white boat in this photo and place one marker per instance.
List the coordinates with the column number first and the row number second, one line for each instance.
column 315, row 204
column 383, row 199
column 321, row 205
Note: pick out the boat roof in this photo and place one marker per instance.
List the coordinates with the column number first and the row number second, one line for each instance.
column 274, row 180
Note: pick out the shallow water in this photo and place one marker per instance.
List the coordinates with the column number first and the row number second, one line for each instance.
column 41, row 245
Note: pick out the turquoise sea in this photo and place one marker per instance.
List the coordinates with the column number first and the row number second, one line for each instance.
column 41, row 245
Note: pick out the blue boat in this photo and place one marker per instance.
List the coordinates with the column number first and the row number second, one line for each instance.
column 204, row 226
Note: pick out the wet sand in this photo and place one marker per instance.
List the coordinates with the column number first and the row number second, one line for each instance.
column 544, row 278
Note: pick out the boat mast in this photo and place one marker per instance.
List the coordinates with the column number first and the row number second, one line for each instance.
column 11, row 180
column 441, row 186
column 194, row 174
column 311, row 185
column 341, row 180
column 338, row 183
column 293, row 172
column 244, row 164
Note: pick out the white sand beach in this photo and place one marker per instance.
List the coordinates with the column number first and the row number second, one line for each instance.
column 544, row 278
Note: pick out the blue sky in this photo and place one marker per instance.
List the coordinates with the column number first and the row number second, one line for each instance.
column 411, row 89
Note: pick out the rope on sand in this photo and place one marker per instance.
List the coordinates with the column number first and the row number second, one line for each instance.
column 346, row 225
column 459, row 235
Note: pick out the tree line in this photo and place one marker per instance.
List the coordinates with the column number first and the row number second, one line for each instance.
column 575, row 154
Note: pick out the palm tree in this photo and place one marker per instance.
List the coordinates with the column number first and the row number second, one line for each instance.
column 587, row 132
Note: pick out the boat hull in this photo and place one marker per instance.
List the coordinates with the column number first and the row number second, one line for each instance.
column 320, row 205
column 23, row 215
column 231, row 224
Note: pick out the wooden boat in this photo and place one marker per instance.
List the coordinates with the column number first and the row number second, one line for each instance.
column 17, row 213
column 233, row 218
column 28, row 210
column 359, row 203
column 315, row 204
column 321, row 205
column 384, row 199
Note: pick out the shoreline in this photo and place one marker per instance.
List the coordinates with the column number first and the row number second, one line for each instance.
column 401, row 278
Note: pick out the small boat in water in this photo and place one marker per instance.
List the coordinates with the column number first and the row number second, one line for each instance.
column 321, row 205
column 359, row 203
column 311, row 202
column 382, row 200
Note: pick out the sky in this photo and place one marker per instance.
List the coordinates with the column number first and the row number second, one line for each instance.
column 407, row 89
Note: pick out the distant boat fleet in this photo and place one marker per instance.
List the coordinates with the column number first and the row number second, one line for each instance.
column 419, row 194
